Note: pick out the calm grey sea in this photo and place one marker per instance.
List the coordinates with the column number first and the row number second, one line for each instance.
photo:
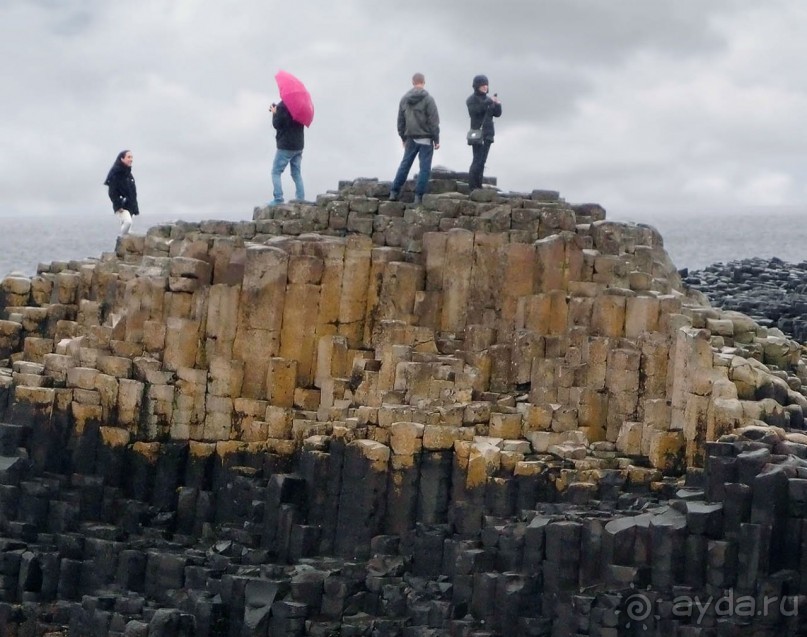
column 696, row 240
column 693, row 241
column 28, row 241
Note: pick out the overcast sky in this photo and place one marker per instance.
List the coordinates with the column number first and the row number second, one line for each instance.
column 640, row 105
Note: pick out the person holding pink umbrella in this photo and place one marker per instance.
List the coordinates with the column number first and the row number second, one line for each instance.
column 290, row 140
column 294, row 111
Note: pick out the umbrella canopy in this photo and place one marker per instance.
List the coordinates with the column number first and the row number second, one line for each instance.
column 296, row 97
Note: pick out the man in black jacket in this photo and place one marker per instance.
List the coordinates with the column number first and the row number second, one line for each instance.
column 419, row 129
column 482, row 110
column 290, row 141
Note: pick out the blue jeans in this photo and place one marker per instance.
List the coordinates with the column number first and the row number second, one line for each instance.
column 282, row 159
column 411, row 150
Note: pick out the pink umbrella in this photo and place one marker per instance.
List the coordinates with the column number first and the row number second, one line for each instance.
column 296, row 97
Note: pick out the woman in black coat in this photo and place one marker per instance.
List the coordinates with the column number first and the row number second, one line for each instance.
column 482, row 109
column 122, row 190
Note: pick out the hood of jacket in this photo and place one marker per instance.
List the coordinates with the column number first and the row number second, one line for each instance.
column 416, row 95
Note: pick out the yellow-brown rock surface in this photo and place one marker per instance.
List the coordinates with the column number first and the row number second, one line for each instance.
column 502, row 329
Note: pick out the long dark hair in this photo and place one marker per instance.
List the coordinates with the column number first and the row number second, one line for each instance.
column 118, row 165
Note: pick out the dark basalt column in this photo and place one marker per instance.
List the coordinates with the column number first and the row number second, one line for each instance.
column 434, row 487
column 361, row 504
column 403, row 491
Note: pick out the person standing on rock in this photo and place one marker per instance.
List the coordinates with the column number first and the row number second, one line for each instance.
column 122, row 190
column 290, row 139
column 482, row 109
column 419, row 130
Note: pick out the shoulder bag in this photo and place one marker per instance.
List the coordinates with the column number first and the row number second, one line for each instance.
column 475, row 135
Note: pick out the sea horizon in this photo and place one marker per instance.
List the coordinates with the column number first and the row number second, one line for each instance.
column 693, row 240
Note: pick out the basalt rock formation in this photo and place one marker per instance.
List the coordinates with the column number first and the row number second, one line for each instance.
column 771, row 291
column 489, row 414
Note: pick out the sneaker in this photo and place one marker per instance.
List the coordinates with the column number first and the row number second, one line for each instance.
column 393, row 196
column 275, row 202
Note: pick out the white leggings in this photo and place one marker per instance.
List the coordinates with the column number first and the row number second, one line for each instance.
column 125, row 220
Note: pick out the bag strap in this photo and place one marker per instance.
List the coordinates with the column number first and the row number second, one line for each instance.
column 484, row 117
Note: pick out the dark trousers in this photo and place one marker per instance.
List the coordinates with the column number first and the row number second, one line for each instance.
column 477, row 169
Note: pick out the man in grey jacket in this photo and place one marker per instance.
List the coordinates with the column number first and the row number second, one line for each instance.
column 419, row 129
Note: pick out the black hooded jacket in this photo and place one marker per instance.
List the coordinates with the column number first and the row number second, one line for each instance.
column 122, row 189
column 290, row 133
column 482, row 110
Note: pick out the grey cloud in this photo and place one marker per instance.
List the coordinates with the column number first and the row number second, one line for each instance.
column 577, row 31
column 584, row 84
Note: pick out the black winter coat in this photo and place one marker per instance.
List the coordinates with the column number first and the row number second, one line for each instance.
column 482, row 110
column 290, row 133
column 122, row 189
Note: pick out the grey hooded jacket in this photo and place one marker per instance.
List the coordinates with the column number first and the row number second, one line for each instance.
column 418, row 117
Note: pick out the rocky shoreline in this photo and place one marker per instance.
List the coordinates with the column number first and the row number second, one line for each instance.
column 771, row 291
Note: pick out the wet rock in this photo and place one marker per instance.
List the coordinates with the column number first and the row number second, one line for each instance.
column 770, row 291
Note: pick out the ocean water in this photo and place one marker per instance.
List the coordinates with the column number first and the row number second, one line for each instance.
column 28, row 241
column 693, row 241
